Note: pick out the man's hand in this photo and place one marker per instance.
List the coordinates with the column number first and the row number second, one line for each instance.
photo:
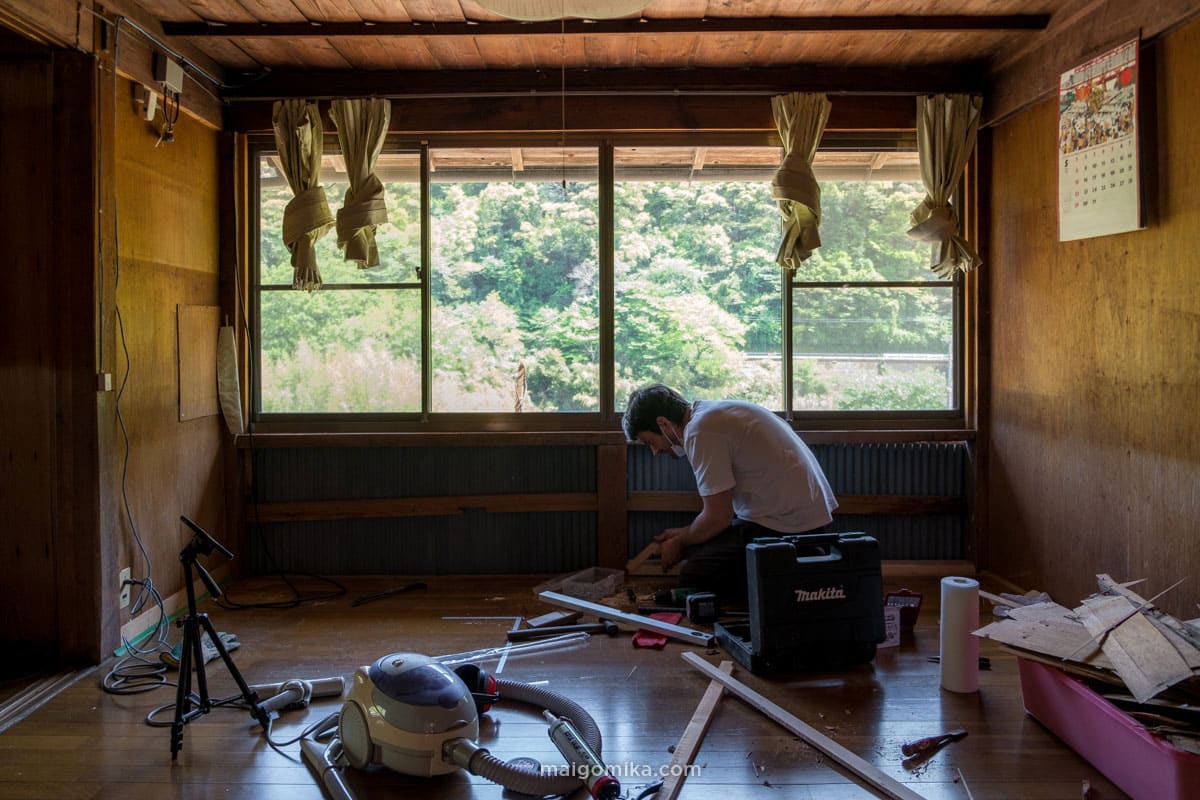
column 671, row 544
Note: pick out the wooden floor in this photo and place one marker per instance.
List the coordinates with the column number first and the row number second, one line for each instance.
column 85, row 743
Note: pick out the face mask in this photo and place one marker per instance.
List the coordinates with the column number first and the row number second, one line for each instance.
column 676, row 447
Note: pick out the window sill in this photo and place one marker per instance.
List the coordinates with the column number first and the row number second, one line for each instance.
column 558, row 438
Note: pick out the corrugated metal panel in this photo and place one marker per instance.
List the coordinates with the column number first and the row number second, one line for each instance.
column 921, row 468
column 647, row 472
column 471, row 543
column 340, row 473
column 924, row 468
column 936, row 536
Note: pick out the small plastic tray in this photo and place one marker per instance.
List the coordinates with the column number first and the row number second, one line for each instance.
column 589, row 584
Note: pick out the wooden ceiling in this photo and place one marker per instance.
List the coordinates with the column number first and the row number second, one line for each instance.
column 442, row 46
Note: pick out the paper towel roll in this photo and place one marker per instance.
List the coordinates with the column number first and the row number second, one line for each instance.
column 959, row 649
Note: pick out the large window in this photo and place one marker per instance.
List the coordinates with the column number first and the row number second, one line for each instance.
column 531, row 283
column 515, row 296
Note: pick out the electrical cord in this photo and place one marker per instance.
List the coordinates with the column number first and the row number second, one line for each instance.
column 238, row 703
column 135, row 673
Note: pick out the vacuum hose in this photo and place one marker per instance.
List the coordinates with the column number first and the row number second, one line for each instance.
column 478, row 761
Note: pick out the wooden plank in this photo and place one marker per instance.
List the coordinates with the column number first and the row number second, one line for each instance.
column 1140, row 655
column 1161, row 619
column 1046, row 628
column 424, row 506
column 689, row 744
column 58, row 22
column 870, row 775
column 642, row 26
column 847, row 504
column 428, row 438
column 197, row 365
column 430, row 434
column 649, row 551
column 432, row 102
column 84, row 549
column 612, row 519
column 635, row 621
column 28, row 344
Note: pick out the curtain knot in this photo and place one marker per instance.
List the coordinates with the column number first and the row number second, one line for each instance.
column 357, row 219
column 306, row 218
column 932, row 222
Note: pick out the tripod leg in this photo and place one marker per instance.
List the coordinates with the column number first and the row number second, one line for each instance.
column 183, row 691
column 198, row 621
column 248, row 694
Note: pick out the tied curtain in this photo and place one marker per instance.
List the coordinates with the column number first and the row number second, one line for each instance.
column 947, row 126
column 307, row 217
column 800, row 118
column 361, row 126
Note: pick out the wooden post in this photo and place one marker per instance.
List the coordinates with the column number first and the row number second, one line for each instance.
column 612, row 517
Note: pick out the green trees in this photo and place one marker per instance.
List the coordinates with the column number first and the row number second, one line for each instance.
column 515, row 292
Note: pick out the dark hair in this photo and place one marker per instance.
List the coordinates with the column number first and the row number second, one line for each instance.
column 648, row 404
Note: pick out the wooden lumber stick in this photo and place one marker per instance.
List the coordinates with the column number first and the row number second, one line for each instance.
column 869, row 773
column 693, row 735
column 997, row 600
column 649, row 551
column 635, row 621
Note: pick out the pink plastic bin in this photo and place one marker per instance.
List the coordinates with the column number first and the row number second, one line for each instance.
column 1140, row 763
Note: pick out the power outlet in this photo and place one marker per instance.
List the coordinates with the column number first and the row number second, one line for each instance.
column 126, row 576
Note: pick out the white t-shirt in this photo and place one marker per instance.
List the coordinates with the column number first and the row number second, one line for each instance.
column 775, row 478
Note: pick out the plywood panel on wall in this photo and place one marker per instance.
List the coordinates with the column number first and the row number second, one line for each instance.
column 1095, row 462
column 197, row 326
column 167, row 204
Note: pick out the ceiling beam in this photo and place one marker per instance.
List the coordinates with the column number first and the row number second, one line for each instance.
column 966, row 78
column 624, row 27
column 535, row 114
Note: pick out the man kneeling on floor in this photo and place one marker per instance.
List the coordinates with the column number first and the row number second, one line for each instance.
column 754, row 474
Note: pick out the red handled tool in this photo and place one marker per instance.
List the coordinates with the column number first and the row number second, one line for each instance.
column 930, row 744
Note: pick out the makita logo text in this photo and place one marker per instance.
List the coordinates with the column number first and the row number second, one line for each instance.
column 827, row 593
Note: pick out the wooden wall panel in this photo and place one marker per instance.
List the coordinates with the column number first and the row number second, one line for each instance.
column 27, row 460
column 1095, row 437
column 167, row 218
column 50, row 542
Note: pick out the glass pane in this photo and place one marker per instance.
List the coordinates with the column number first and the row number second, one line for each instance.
column 515, row 280
column 341, row 351
column 864, row 234
column 398, row 240
column 873, row 349
column 697, row 301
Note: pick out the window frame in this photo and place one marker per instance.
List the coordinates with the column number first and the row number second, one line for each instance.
column 606, row 419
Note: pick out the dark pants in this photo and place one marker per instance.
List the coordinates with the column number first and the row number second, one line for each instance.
column 719, row 565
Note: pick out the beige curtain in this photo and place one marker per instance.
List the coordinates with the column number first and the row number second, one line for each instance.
column 947, row 126
column 361, row 128
column 801, row 120
column 307, row 217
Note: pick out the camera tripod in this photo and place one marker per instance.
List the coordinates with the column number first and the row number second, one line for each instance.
column 191, row 657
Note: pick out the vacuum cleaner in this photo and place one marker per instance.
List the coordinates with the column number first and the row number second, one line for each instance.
column 415, row 715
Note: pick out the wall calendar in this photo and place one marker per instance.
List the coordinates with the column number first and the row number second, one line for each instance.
column 1099, row 191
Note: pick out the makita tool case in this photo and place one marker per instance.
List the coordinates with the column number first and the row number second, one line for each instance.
column 816, row 602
